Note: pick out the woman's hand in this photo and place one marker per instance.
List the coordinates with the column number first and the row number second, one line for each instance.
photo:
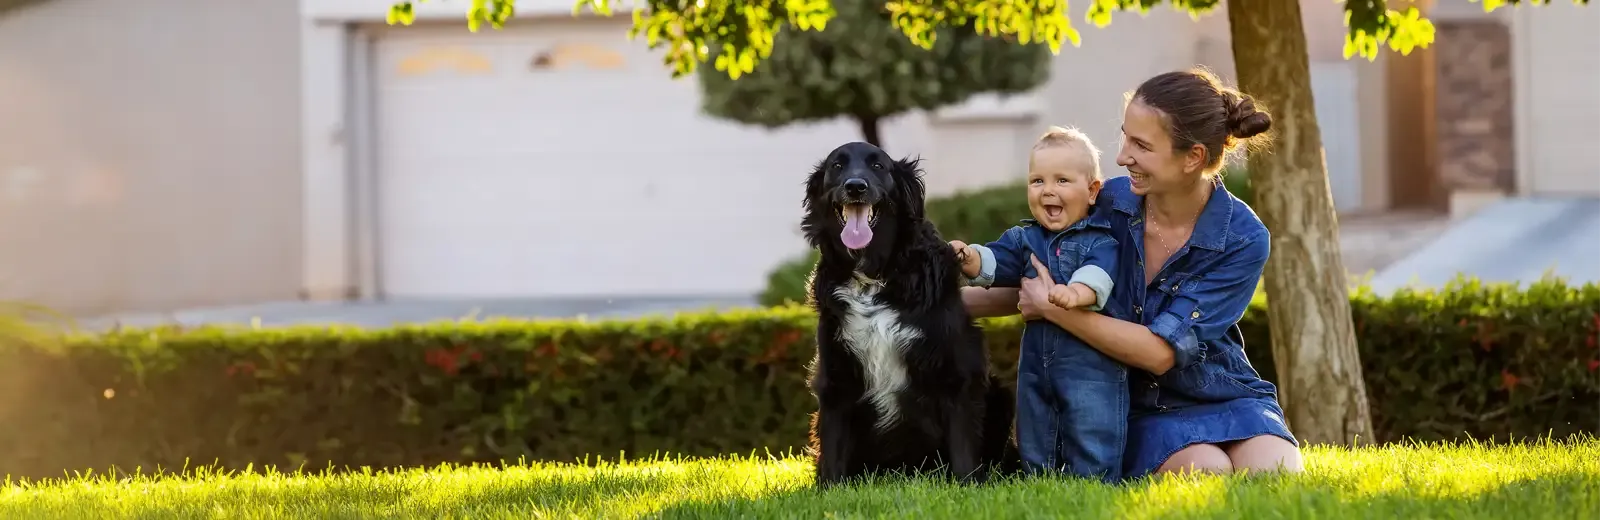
column 1128, row 342
column 1035, row 292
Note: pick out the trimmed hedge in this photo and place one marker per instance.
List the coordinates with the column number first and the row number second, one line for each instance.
column 973, row 216
column 1472, row 360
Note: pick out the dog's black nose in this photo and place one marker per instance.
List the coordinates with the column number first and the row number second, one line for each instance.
column 855, row 187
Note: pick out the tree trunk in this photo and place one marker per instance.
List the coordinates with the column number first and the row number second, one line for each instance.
column 1313, row 340
column 869, row 129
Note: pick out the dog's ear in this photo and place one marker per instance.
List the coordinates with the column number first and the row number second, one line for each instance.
column 910, row 193
column 813, row 207
column 814, row 185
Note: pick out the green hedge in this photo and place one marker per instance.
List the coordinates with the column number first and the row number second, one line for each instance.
column 1474, row 360
column 972, row 216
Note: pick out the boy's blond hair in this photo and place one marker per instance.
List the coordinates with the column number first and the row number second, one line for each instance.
column 1074, row 138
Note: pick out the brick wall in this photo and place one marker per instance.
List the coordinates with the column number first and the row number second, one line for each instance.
column 1474, row 105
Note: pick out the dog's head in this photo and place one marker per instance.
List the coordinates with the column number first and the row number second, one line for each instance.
column 858, row 196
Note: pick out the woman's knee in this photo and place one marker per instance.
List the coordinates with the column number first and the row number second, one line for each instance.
column 1265, row 453
column 1198, row 458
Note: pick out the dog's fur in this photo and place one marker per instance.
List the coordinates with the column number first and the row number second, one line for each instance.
column 901, row 375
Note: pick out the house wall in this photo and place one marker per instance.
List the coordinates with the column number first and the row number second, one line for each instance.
column 976, row 144
column 149, row 153
column 1556, row 54
column 1517, row 101
column 160, row 154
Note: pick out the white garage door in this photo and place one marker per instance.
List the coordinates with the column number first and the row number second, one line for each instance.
column 1561, row 45
column 558, row 158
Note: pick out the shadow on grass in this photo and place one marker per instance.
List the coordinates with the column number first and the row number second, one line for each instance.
column 907, row 497
column 1572, row 495
column 748, row 489
column 489, row 491
column 1569, row 494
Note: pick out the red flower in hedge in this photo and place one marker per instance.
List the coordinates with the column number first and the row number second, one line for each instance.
column 1594, row 364
column 666, row 350
column 241, row 367
column 779, row 346
column 1507, row 379
column 445, row 360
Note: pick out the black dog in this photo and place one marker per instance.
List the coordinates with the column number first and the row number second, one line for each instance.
column 901, row 375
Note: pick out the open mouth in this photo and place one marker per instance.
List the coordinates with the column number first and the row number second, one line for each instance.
column 1052, row 210
column 858, row 219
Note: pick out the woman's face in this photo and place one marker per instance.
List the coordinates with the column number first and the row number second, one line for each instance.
column 1148, row 155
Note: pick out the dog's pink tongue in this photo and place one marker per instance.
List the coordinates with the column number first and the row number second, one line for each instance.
column 857, row 234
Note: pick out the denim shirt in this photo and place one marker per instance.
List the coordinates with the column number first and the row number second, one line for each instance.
column 1194, row 303
column 1084, row 253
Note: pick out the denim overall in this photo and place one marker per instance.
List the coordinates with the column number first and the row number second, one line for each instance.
column 1072, row 400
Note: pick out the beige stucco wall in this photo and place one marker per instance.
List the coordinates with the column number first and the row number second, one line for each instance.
column 149, row 153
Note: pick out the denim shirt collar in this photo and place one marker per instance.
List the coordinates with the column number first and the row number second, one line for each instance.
column 1210, row 230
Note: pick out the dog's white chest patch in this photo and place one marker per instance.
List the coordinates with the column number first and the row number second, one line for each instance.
column 873, row 332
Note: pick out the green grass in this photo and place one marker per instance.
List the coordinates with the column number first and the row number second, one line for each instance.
column 1551, row 479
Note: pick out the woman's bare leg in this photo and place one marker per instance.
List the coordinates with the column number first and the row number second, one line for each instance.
column 1265, row 453
column 1202, row 458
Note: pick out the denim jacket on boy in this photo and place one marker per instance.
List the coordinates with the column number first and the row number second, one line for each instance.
column 1072, row 400
column 1085, row 253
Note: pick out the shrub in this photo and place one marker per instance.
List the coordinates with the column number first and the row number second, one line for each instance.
column 972, row 216
column 1473, row 360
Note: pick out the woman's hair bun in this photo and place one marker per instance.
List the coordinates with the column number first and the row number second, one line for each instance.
column 1244, row 121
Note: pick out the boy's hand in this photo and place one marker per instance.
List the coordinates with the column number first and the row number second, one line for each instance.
column 1063, row 296
column 971, row 263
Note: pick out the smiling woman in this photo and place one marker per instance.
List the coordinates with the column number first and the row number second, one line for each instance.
column 1189, row 260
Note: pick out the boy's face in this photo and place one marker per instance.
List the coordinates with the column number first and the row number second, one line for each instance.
column 1060, row 188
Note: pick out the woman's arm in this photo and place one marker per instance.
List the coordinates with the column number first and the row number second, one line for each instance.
column 989, row 302
column 1130, row 343
column 1176, row 334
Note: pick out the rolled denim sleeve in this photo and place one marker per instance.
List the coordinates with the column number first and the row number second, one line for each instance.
column 1003, row 260
column 1099, row 269
column 1213, row 303
column 987, row 266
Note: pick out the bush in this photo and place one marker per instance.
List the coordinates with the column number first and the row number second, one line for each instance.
column 1473, row 360
column 971, row 216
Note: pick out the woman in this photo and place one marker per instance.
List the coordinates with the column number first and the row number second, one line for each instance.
column 1191, row 255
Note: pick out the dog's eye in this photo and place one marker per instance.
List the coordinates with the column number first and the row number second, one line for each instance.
column 838, row 166
column 877, row 166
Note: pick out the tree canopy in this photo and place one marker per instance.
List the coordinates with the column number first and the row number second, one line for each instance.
column 746, row 29
column 860, row 66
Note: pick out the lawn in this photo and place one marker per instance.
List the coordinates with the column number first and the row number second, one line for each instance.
column 1464, row 480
